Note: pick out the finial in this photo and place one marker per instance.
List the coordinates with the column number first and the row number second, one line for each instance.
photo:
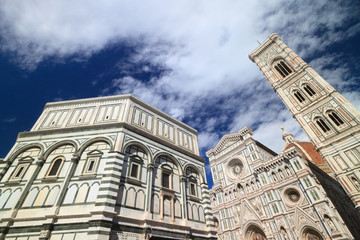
column 282, row 128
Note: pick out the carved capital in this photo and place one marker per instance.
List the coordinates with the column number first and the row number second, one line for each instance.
column 150, row 166
column 75, row 159
column 39, row 162
column 182, row 178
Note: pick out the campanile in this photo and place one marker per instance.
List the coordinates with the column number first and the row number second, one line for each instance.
column 330, row 121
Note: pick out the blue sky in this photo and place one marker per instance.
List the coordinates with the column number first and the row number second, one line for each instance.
column 187, row 58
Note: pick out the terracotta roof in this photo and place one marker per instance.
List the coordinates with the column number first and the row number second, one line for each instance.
column 310, row 151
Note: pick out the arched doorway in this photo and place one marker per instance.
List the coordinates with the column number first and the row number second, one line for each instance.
column 311, row 234
column 255, row 233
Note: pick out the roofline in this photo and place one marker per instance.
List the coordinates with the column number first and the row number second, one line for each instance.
column 266, row 148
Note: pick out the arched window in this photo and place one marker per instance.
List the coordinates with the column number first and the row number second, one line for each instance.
column 247, row 187
column 282, row 68
column 137, row 156
column 252, row 186
column 54, row 168
column 284, row 233
column 309, row 90
column 274, row 176
column 192, row 180
column 299, row 96
column 335, row 118
column 258, row 183
column 287, row 170
column 321, row 123
column 281, row 174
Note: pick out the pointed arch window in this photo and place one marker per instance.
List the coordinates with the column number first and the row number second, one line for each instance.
column 281, row 174
column 55, row 167
column 274, row 176
column 309, row 90
column 323, row 125
column 299, row 96
column 282, row 68
column 335, row 118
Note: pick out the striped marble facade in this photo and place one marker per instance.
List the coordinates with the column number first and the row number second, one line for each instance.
column 105, row 168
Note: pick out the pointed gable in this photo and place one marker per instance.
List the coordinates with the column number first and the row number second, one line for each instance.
column 229, row 139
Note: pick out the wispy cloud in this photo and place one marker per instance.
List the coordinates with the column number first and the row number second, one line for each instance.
column 9, row 120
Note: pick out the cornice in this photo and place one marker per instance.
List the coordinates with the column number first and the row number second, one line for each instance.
column 331, row 141
column 277, row 160
column 260, row 49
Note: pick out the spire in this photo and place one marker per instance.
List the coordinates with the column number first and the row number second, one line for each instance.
column 287, row 137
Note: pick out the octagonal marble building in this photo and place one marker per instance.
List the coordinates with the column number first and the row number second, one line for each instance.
column 105, row 168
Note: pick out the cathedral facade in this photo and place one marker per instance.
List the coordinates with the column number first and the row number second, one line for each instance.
column 105, row 168
column 260, row 195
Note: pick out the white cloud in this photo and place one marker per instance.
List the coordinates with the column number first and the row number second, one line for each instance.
column 202, row 45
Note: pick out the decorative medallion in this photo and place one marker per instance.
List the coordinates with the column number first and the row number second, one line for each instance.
column 234, row 168
column 292, row 196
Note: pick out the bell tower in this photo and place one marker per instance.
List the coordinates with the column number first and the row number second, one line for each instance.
column 330, row 121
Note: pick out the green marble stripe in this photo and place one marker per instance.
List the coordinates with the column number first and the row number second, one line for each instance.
column 122, row 228
column 113, row 169
column 99, row 232
column 28, row 229
column 74, row 204
column 71, row 226
column 112, row 175
column 110, row 181
column 108, row 189
column 106, row 197
column 105, row 204
column 60, row 227
column 114, row 163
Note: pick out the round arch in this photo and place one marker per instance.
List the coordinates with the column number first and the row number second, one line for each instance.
column 189, row 165
column 310, row 233
column 254, row 231
column 46, row 154
column 23, row 149
column 275, row 59
column 94, row 140
column 139, row 144
column 181, row 171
